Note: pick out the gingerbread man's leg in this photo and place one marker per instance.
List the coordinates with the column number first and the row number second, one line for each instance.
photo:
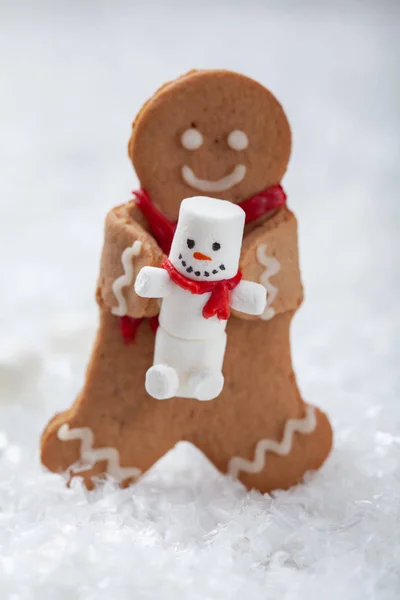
column 259, row 429
column 114, row 426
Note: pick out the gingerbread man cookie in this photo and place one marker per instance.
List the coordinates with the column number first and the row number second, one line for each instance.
column 222, row 135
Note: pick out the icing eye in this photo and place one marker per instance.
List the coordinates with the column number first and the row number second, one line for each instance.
column 190, row 244
column 216, row 246
column 238, row 140
column 191, row 139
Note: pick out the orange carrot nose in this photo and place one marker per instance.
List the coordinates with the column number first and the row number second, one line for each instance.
column 200, row 256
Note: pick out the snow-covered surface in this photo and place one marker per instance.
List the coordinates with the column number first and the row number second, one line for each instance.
column 72, row 77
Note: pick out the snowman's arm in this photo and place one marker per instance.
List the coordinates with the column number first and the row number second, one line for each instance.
column 249, row 297
column 153, row 282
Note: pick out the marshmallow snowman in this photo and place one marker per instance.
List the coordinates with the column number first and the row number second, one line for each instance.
column 198, row 284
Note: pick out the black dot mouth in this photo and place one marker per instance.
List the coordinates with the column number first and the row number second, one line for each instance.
column 189, row 269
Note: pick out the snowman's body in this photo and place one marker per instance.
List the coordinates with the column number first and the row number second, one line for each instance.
column 190, row 343
column 181, row 316
column 186, row 340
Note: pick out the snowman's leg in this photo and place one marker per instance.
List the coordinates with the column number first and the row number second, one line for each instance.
column 206, row 384
column 162, row 382
column 205, row 381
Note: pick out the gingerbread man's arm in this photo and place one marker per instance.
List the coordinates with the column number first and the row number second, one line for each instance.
column 270, row 257
column 128, row 247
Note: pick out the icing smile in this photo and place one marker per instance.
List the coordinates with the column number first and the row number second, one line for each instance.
column 220, row 185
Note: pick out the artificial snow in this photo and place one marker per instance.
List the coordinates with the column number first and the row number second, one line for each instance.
column 72, row 78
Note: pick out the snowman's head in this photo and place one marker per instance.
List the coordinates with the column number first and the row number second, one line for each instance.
column 208, row 239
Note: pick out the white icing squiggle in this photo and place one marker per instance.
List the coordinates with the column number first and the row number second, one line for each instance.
column 125, row 279
column 90, row 456
column 220, row 185
column 273, row 267
column 305, row 425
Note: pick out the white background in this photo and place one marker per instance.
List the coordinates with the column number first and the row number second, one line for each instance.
column 72, row 77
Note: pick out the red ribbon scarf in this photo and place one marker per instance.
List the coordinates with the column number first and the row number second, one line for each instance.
column 163, row 231
column 219, row 301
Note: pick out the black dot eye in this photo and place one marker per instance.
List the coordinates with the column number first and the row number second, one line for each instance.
column 216, row 246
column 190, row 244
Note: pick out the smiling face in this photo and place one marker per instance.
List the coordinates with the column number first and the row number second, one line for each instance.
column 215, row 133
column 208, row 238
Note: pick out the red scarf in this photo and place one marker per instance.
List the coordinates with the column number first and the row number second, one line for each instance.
column 219, row 301
column 163, row 231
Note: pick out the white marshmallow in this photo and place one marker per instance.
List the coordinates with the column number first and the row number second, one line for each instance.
column 197, row 363
column 152, row 282
column 208, row 224
column 249, row 297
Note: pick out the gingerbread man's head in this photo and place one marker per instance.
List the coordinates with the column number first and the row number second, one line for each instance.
column 213, row 133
